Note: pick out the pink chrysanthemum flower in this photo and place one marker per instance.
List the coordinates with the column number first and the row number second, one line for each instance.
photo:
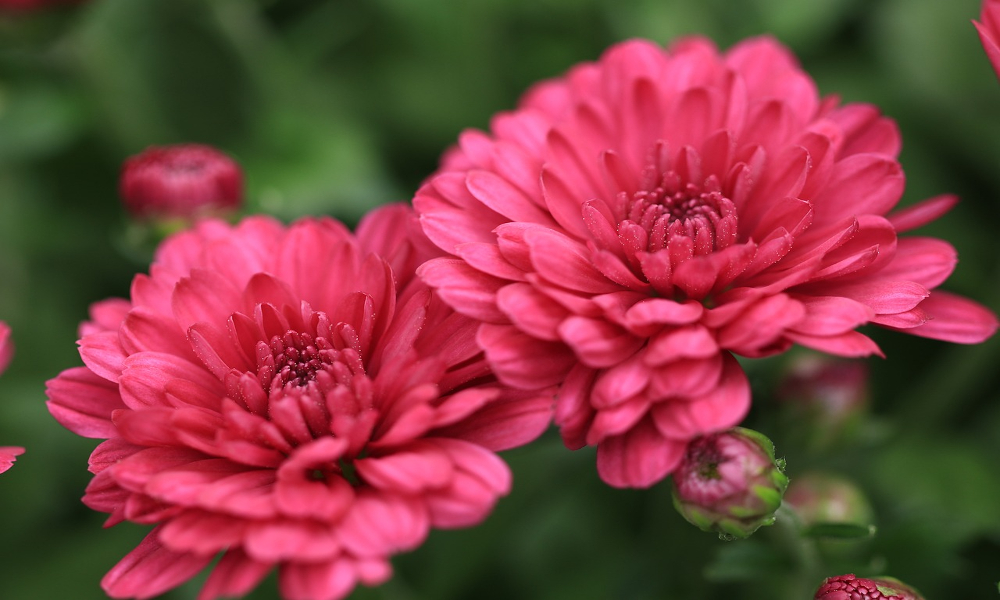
column 7, row 453
column 635, row 225
column 988, row 27
column 291, row 398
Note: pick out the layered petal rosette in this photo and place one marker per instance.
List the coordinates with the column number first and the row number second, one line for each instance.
column 8, row 454
column 289, row 398
column 638, row 223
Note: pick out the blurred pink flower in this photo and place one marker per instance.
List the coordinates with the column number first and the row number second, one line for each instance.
column 292, row 398
column 180, row 181
column 988, row 27
column 30, row 5
column 6, row 346
column 636, row 224
column 7, row 453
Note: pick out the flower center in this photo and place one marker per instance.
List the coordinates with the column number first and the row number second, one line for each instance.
column 671, row 210
column 298, row 357
column 299, row 362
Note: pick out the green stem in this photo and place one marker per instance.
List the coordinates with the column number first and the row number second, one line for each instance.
column 809, row 563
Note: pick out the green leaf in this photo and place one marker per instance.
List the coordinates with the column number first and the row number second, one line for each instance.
column 38, row 119
column 842, row 531
column 745, row 561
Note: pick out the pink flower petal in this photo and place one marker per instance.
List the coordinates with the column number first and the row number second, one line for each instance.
column 462, row 286
column 639, row 458
column 955, row 319
column 8, row 455
column 410, row 470
column 236, row 574
column 922, row 213
column 83, row 402
column 598, row 343
column 328, row 580
column 515, row 419
column 151, row 570
column 383, row 524
column 721, row 408
column 522, row 361
column 531, row 311
column 564, row 262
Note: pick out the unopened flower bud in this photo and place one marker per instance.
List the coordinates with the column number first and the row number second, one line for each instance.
column 823, row 500
column 181, row 181
column 730, row 483
column 850, row 587
column 825, row 395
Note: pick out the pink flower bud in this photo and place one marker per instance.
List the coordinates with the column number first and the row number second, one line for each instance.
column 821, row 499
column 824, row 396
column 850, row 587
column 183, row 181
column 833, row 387
column 730, row 483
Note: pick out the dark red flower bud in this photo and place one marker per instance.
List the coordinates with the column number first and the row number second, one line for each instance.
column 180, row 181
column 850, row 587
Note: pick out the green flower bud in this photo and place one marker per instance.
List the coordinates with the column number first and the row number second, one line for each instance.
column 730, row 483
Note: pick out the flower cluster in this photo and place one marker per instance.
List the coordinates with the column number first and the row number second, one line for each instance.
column 638, row 223
column 289, row 398
column 309, row 400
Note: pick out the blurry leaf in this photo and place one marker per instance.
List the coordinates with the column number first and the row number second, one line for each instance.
column 162, row 73
column 843, row 531
column 746, row 560
column 803, row 24
column 928, row 42
column 307, row 164
column 950, row 480
column 38, row 119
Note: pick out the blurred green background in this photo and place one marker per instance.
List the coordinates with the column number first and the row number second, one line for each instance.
column 333, row 107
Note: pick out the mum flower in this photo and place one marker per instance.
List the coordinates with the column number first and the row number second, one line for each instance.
column 638, row 223
column 289, row 398
column 7, row 453
column 180, row 181
column 988, row 27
